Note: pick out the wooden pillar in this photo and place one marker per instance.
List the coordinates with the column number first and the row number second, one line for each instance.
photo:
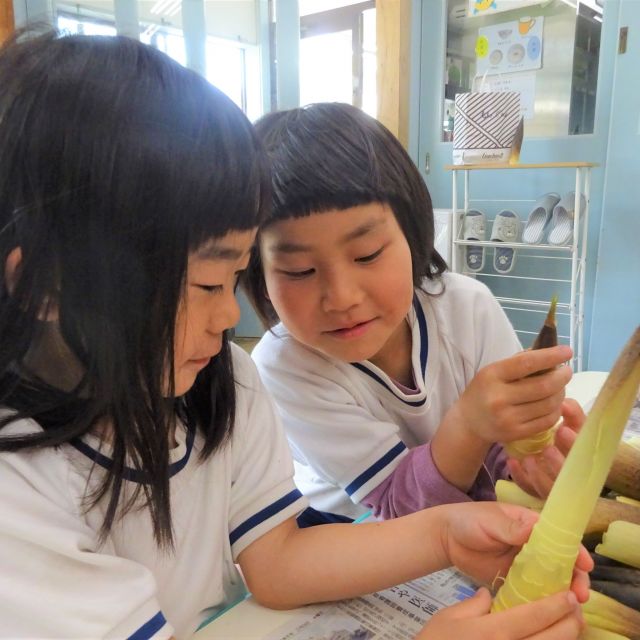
column 7, row 24
column 393, row 35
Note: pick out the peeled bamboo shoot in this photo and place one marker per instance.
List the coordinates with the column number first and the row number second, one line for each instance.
column 545, row 564
column 621, row 542
column 593, row 633
column 606, row 613
column 605, row 512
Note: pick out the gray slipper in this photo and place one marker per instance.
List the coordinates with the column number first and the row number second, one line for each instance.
column 474, row 227
column 506, row 228
column 562, row 220
column 539, row 218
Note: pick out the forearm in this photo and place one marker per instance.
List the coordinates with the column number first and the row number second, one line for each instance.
column 333, row 562
column 457, row 452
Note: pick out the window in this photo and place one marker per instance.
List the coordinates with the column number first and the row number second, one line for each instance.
column 547, row 51
column 338, row 53
column 232, row 65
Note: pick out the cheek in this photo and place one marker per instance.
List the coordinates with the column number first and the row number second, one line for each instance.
column 283, row 296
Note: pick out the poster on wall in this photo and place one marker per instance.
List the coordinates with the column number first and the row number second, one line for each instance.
column 510, row 46
column 485, row 7
column 524, row 83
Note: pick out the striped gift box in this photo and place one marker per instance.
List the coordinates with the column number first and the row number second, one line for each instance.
column 485, row 126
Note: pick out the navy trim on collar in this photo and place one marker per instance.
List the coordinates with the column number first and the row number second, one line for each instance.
column 424, row 334
column 424, row 352
column 136, row 475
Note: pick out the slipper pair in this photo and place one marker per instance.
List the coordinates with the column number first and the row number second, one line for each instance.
column 553, row 214
column 506, row 228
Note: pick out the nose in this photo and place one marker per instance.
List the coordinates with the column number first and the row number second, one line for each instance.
column 340, row 292
column 225, row 313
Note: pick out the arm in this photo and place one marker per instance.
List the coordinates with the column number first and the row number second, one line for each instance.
column 417, row 484
column 288, row 567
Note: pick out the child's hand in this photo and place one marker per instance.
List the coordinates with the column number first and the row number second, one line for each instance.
column 483, row 539
column 536, row 474
column 557, row 617
column 502, row 404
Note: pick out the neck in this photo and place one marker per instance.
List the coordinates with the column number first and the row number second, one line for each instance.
column 395, row 357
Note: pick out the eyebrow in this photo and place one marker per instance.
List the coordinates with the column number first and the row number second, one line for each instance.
column 217, row 252
column 358, row 232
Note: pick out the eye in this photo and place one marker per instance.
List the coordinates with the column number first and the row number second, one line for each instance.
column 298, row 275
column 371, row 257
column 211, row 288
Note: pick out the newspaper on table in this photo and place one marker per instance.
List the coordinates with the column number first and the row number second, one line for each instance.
column 397, row 613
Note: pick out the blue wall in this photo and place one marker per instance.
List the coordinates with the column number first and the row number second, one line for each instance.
column 616, row 306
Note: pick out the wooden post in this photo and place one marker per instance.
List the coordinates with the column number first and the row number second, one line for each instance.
column 393, row 35
column 7, row 24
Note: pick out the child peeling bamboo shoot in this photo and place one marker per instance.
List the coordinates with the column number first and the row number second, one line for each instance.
column 547, row 337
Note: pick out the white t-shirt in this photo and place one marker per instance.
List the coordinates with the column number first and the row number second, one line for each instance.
column 349, row 425
column 58, row 581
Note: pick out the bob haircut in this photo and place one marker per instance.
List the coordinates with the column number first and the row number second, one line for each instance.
column 333, row 156
column 117, row 163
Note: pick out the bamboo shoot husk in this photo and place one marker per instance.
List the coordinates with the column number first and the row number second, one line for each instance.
column 624, row 476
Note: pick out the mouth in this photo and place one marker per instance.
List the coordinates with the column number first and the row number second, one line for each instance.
column 200, row 362
column 352, row 331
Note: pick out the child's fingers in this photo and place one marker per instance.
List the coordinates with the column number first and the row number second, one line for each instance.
column 580, row 584
column 540, row 474
column 573, row 416
column 520, row 477
column 569, row 628
column 525, row 363
column 536, row 619
column 548, row 384
column 564, row 439
column 523, row 423
column 477, row 605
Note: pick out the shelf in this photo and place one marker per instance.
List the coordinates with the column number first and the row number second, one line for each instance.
column 549, row 269
column 515, row 245
column 541, row 165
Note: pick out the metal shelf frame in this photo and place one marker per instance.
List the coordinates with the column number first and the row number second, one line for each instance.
column 576, row 252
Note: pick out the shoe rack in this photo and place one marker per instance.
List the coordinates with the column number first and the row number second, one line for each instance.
column 542, row 270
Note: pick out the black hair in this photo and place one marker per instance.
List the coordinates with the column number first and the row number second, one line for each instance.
column 117, row 163
column 333, row 156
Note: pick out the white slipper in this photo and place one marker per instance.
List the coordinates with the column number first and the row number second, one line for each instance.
column 539, row 218
column 506, row 228
column 561, row 230
column 474, row 227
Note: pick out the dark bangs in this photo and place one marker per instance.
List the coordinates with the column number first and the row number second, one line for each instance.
column 330, row 156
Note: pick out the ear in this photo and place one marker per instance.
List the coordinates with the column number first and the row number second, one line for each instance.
column 11, row 267
column 49, row 312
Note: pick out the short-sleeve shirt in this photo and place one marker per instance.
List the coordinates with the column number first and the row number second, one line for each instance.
column 58, row 580
column 349, row 425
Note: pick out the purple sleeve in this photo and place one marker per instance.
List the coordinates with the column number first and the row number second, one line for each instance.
column 416, row 484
